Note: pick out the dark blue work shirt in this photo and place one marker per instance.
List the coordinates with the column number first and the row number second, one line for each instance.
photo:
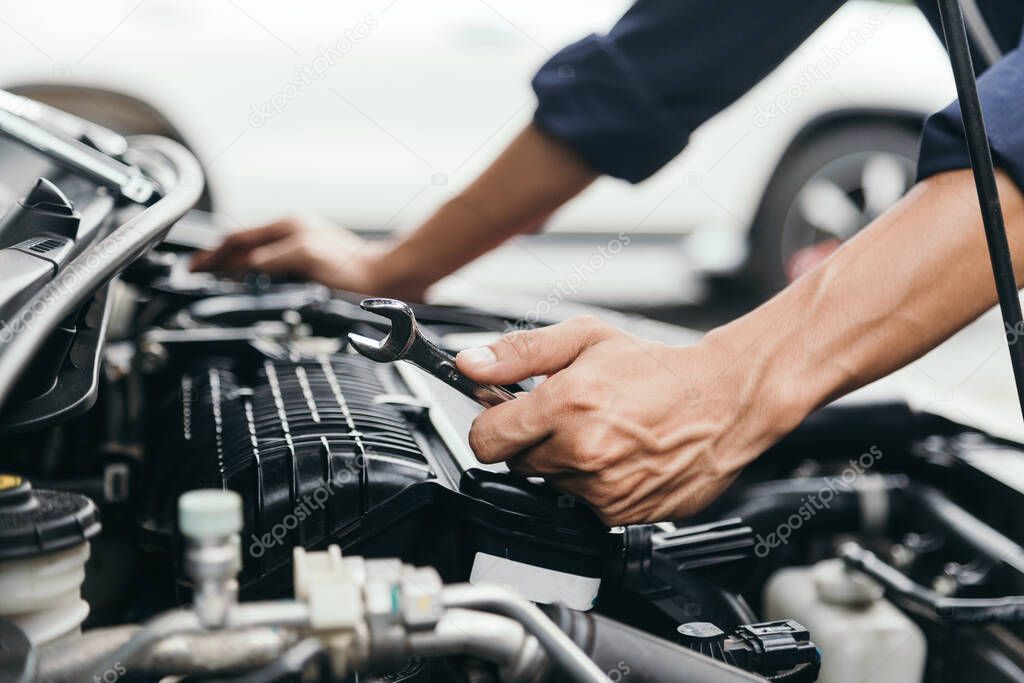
column 628, row 101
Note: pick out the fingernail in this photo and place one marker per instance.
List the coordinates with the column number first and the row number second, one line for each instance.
column 480, row 356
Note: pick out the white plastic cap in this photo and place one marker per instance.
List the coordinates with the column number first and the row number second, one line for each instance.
column 210, row 513
column 838, row 585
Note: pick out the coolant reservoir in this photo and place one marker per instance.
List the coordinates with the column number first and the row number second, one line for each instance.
column 863, row 637
column 43, row 549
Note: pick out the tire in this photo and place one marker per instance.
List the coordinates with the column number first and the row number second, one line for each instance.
column 825, row 189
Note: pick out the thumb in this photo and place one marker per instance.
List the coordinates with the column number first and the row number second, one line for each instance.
column 526, row 353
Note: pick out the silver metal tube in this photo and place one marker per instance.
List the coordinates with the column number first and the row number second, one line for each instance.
column 157, row 628
column 216, row 651
column 284, row 613
column 91, row 269
column 69, row 660
column 486, row 636
column 281, row 614
column 79, row 157
column 562, row 650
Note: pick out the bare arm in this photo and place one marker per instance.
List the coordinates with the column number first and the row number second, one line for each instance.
column 910, row 280
column 646, row 432
column 534, row 176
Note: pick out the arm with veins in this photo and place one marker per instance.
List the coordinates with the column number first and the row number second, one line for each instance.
column 648, row 432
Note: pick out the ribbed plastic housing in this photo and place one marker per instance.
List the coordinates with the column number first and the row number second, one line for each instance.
column 306, row 444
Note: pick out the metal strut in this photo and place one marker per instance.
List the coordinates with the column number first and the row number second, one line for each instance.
column 985, row 181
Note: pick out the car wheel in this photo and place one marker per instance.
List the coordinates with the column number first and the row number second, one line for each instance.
column 823, row 192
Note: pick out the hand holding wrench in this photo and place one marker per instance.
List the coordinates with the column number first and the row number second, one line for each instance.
column 404, row 342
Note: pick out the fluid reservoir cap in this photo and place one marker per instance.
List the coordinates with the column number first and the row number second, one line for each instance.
column 34, row 522
column 45, row 196
column 839, row 585
column 209, row 513
column 696, row 632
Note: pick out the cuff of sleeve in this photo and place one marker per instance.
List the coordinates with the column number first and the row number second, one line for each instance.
column 944, row 145
column 589, row 98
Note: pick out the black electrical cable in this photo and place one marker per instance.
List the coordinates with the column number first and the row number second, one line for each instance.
column 985, row 181
column 1004, row 610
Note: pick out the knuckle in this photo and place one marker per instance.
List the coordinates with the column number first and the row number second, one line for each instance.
column 589, row 453
column 587, row 395
column 522, row 344
column 480, row 440
column 588, row 325
column 585, row 321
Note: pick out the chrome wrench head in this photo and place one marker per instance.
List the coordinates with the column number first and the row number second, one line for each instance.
column 404, row 342
column 398, row 340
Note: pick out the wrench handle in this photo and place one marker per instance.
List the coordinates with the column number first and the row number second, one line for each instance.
column 441, row 364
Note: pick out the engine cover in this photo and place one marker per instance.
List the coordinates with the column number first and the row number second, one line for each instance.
column 334, row 448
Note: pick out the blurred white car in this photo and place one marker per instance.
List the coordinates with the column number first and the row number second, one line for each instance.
column 373, row 112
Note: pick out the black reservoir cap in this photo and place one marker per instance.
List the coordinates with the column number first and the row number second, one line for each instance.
column 44, row 210
column 35, row 522
column 45, row 196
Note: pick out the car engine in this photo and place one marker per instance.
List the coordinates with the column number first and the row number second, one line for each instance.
column 200, row 481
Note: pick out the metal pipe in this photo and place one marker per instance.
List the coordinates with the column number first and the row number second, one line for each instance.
column 69, row 660
column 486, row 636
column 176, row 622
column 1004, row 610
column 981, row 537
column 126, row 180
column 985, row 182
column 216, row 651
column 766, row 505
column 562, row 650
column 98, row 263
column 157, row 628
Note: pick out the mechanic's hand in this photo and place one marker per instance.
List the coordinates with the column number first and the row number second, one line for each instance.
column 309, row 248
column 641, row 431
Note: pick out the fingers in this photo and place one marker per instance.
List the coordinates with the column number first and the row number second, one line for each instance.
column 286, row 257
column 233, row 250
column 506, row 429
column 542, row 459
column 527, row 353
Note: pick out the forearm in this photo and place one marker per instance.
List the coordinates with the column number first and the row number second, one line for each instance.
column 533, row 176
column 907, row 282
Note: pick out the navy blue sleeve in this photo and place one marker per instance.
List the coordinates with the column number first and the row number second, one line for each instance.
column 628, row 101
column 1001, row 89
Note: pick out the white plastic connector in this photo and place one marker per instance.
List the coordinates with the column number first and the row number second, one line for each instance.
column 332, row 586
column 209, row 513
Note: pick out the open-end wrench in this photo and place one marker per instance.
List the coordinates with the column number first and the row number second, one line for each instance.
column 404, row 342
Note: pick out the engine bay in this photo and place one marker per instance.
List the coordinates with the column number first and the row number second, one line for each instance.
column 200, row 480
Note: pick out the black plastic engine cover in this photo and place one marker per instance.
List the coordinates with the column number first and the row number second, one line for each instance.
column 319, row 455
